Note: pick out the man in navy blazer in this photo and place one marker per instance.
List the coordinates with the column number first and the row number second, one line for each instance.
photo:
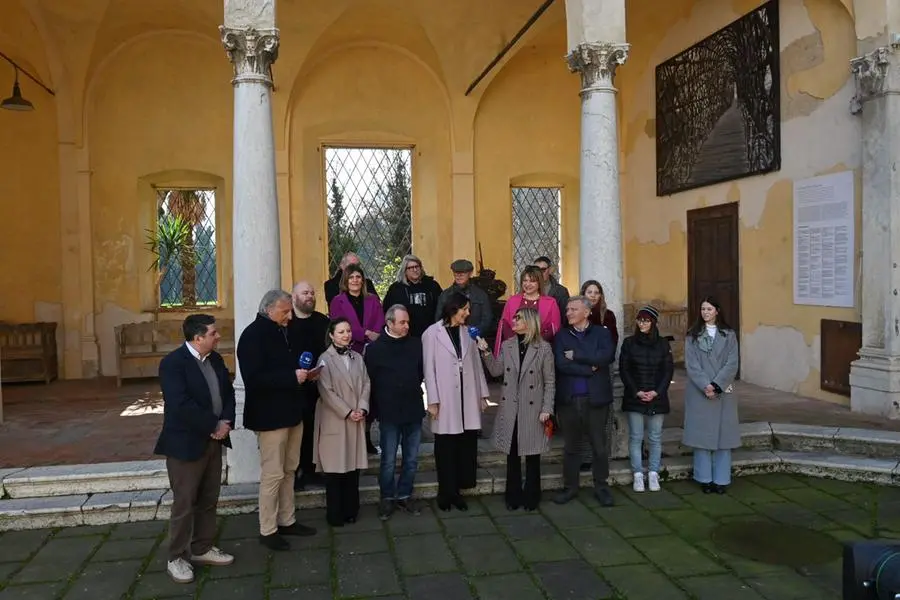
column 198, row 415
column 583, row 353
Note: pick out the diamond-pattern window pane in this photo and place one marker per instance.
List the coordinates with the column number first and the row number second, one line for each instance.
column 369, row 209
column 536, row 225
column 186, row 234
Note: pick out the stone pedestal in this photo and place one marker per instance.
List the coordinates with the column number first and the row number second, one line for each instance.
column 257, row 246
column 600, row 253
column 875, row 377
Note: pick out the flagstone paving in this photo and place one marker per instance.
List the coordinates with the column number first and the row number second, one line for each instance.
column 651, row 545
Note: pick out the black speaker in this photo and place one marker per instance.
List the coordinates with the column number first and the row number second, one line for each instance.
column 871, row 571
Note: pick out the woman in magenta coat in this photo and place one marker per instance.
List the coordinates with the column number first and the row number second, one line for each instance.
column 361, row 309
column 530, row 296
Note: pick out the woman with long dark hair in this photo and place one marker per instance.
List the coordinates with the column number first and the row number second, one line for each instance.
column 600, row 313
column 711, row 425
column 646, row 367
column 457, row 394
column 339, row 441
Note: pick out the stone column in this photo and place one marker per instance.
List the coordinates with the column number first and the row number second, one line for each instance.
column 600, row 235
column 251, row 42
column 875, row 376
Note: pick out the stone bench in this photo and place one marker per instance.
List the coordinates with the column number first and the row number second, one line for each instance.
column 29, row 352
column 141, row 346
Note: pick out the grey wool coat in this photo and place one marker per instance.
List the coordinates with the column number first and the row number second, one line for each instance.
column 711, row 423
column 527, row 392
column 339, row 444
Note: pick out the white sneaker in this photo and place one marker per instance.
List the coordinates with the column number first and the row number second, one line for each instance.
column 214, row 557
column 654, row 481
column 638, row 484
column 180, row 571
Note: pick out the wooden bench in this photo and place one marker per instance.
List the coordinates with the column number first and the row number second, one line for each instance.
column 141, row 346
column 673, row 323
column 28, row 352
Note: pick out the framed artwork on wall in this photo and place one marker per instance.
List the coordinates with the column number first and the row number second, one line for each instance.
column 718, row 106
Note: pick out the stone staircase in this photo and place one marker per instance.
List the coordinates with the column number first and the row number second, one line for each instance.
column 65, row 496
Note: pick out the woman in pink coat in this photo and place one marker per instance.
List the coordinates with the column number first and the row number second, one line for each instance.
column 457, row 395
column 531, row 295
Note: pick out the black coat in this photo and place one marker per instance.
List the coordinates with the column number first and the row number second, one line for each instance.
column 308, row 335
column 645, row 364
column 333, row 287
column 595, row 349
column 420, row 300
column 395, row 368
column 188, row 417
column 268, row 367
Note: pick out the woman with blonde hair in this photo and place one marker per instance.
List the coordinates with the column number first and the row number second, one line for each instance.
column 339, row 440
column 531, row 295
column 416, row 291
column 529, row 386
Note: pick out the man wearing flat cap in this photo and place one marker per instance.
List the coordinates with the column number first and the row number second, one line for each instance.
column 480, row 313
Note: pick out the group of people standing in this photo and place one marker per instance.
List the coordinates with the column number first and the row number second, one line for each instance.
column 314, row 384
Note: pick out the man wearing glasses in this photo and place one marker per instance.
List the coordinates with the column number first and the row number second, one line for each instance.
column 552, row 287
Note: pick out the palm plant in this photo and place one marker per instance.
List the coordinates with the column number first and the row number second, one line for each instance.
column 179, row 215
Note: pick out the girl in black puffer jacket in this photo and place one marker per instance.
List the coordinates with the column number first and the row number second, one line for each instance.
column 646, row 367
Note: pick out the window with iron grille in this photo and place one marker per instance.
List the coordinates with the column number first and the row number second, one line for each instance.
column 369, row 195
column 186, row 247
column 536, row 225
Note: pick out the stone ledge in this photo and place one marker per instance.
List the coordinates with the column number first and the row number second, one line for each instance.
column 795, row 437
column 66, row 480
column 845, row 468
column 867, row 442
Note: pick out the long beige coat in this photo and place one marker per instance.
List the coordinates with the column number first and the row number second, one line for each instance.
column 339, row 444
column 527, row 392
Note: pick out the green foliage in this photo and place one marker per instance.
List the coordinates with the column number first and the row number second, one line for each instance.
column 173, row 237
column 388, row 275
column 340, row 238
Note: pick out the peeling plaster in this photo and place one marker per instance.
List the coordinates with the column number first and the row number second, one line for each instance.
column 106, row 322
column 778, row 357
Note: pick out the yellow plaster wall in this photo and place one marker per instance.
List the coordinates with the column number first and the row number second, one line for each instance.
column 30, row 248
column 147, row 123
column 527, row 133
column 780, row 341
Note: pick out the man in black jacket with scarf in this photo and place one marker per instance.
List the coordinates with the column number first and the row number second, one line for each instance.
column 395, row 365
column 584, row 394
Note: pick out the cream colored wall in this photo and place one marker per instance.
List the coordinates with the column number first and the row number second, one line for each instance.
column 780, row 341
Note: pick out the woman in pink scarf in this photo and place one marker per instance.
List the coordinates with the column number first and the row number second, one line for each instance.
column 530, row 296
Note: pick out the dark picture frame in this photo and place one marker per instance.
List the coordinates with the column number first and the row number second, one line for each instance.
column 718, row 106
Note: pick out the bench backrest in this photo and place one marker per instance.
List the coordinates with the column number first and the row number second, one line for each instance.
column 164, row 336
column 26, row 335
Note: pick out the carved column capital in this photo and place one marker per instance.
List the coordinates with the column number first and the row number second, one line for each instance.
column 871, row 72
column 597, row 62
column 252, row 52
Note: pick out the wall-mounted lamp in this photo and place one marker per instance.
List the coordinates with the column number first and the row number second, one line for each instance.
column 16, row 101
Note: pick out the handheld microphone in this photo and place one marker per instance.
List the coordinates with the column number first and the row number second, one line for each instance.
column 306, row 360
column 474, row 332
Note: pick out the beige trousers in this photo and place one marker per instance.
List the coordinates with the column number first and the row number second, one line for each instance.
column 279, row 452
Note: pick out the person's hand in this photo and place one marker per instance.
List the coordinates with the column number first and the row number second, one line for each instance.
column 221, row 431
column 302, row 375
column 484, row 404
column 371, row 335
column 543, row 417
column 651, row 395
column 433, row 410
column 710, row 391
column 313, row 374
column 570, row 354
column 482, row 344
column 357, row 415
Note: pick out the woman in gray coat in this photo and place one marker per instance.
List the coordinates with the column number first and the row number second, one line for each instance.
column 529, row 385
column 711, row 425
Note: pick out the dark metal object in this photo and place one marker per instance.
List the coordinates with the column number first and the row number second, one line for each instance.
column 29, row 75
column 531, row 21
column 871, row 571
column 718, row 106
column 840, row 344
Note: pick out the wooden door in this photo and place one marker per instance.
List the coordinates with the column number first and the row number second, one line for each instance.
column 713, row 261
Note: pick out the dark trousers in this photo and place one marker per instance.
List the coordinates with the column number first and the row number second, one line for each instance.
column 195, row 493
column 577, row 417
column 306, row 442
column 341, row 497
column 456, row 460
column 516, row 495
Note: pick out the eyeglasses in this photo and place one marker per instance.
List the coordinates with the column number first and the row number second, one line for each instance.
column 517, row 317
column 413, row 267
column 643, row 320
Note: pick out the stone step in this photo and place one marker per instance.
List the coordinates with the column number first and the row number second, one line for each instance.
column 155, row 504
column 69, row 480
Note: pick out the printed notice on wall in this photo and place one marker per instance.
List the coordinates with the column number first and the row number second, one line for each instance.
column 823, row 240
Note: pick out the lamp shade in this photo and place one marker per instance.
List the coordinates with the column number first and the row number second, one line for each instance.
column 16, row 101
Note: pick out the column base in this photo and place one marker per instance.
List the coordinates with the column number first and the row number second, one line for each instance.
column 875, row 384
column 242, row 459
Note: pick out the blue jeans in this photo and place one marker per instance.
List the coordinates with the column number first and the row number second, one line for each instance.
column 407, row 437
column 654, row 424
column 712, row 466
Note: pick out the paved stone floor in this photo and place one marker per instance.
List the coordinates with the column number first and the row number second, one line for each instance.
column 648, row 546
column 91, row 421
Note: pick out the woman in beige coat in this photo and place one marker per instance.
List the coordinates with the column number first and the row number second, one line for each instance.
column 529, row 385
column 339, row 440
